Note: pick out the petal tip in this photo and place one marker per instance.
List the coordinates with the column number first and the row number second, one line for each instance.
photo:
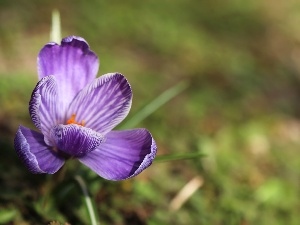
column 78, row 42
column 23, row 151
column 148, row 159
column 72, row 62
column 68, row 40
column 34, row 153
column 123, row 155
column 72, row 38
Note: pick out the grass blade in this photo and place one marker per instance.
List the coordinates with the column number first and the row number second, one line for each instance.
column 155, row 104
column 172, row 157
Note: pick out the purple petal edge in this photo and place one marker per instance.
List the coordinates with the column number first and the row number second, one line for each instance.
column 147, row 160
column 124, row 154
column 43, row 104
column 104, row 103
column 75, row 140
column 72, row 63
column 75, row 41
column 34, row 153
column 78, row 42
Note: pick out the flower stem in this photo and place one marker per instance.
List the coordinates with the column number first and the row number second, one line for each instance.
column 55, row 34
column 87, row 199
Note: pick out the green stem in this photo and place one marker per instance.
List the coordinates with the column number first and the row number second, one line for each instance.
column 87, row 199
column 55, row 33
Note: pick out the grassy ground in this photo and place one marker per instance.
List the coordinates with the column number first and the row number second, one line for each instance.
column 240, row 60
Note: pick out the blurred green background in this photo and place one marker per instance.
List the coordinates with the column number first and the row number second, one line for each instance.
column 241, row 61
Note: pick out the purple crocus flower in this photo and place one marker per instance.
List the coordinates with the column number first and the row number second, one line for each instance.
column 75, row 113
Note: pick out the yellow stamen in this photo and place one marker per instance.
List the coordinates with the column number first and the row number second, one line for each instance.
column 73, row 121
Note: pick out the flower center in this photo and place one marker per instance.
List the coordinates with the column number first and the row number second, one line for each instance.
column 72, row 120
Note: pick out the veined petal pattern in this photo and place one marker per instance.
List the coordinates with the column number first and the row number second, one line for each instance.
column 75, row 140
column 104, row 103
column 72, row 63
column 43, row 105
column 124, row 154
column 34, row 153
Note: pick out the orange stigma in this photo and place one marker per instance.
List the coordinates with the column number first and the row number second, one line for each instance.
column 73, row 121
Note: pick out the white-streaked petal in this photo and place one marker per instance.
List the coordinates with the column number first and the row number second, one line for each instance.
column 72, row 63
column 124, row 154
column 75, row 140
column 34, row 153
column 43, row 106
column 104, row 103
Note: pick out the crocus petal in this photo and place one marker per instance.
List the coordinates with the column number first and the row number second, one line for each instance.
column 104, row 103
column 35, row 154
column 75, row 140
column 72, row 63
column 124, row 154
column 43, row 105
